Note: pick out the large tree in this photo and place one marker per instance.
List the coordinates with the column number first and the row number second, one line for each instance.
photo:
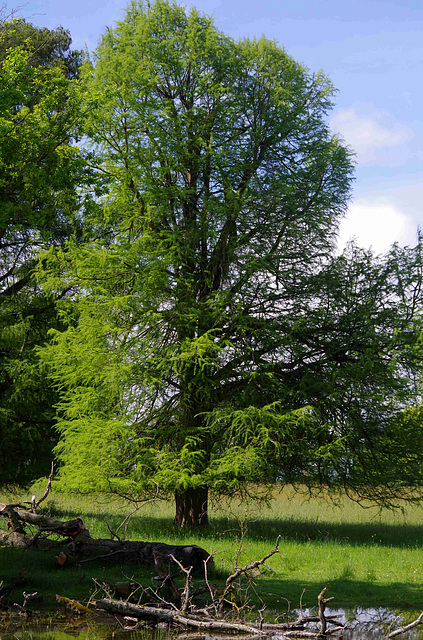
column 209, row 338
column 40, row 172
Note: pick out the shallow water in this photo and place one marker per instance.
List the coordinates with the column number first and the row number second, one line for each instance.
column 374, row 623
column 361, row 624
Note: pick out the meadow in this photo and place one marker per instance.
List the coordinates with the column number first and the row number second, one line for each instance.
column 365, row 557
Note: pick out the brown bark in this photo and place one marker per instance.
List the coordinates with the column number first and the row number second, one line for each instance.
column 206, row 623
column 322, row 601
column 172, row 616
column 82, row 548
column 191, row 507
column 407, row 627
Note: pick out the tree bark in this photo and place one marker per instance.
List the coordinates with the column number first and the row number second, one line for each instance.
column 205, row 623
column 83, row 548
column 174, row 617
column 191, row 507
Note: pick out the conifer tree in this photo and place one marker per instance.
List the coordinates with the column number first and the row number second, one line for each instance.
column 208, row 324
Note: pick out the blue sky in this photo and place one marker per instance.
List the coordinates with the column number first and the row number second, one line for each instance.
column 371, row 50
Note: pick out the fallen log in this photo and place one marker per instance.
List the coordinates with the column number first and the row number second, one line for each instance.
column 140, row 551
column 171, row 616
column 78, row 544
column 18, row 517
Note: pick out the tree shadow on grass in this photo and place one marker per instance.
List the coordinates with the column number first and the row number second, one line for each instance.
column 393, row 535
column 149, row 527
column 281, row 595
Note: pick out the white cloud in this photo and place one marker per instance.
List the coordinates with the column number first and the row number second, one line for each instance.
column 369, row 135
column 377, row 225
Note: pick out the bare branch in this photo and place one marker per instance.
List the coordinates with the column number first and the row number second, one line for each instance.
column 400, row 630
column 230, row 581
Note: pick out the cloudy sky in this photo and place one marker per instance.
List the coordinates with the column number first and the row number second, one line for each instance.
column 372, row 50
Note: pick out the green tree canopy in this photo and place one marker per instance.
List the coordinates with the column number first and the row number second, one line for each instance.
column 213, row 340
column 40, row 169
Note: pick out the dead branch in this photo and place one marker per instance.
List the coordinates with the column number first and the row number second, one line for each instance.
column 321, row 600
column 47, row 489
column 400, row 630
column 239, row 570
column 14, row 523
column 207, row 623
column 35, row 504
column 137, row 508
column 20, row 581
column 209, row 587
column 172, row 617
column 19, row 516
column 86, row 549
column 185, row 595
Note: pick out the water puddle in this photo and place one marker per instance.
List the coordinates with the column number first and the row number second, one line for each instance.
column 373, row 623
column 361, row 624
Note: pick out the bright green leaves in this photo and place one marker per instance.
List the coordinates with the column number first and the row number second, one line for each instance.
column 214, row 335
column 223, row 179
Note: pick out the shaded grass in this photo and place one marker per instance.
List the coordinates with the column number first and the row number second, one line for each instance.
column 364, row 557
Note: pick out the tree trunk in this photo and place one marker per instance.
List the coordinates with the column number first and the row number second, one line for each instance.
column 191, row 507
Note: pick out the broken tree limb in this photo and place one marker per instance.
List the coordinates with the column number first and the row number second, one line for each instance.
column 206, row 623
column 36, row 503
column 83, row 548
column 239, row 570
column 321, row 600
column 170, row 616
column 14, row 522
column 20, row 581
column 19, row 517
column 400, row 630
column 185, row 595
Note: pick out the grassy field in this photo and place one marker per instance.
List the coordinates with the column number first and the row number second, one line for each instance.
column 364, row 557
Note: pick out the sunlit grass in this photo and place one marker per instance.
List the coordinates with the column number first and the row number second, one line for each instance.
column 363, row 556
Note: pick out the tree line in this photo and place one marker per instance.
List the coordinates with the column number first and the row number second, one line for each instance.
column 175, row 317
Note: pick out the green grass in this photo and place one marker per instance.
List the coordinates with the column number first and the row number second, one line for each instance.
column 364, row 557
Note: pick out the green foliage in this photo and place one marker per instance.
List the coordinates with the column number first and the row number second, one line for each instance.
column 216, row 341
column 40, row 169
column 357, row 347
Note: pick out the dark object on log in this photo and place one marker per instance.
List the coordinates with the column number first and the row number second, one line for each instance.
column 143, row 552
column 82, row 548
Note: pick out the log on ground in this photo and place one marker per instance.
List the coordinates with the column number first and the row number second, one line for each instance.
column 75, row 540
